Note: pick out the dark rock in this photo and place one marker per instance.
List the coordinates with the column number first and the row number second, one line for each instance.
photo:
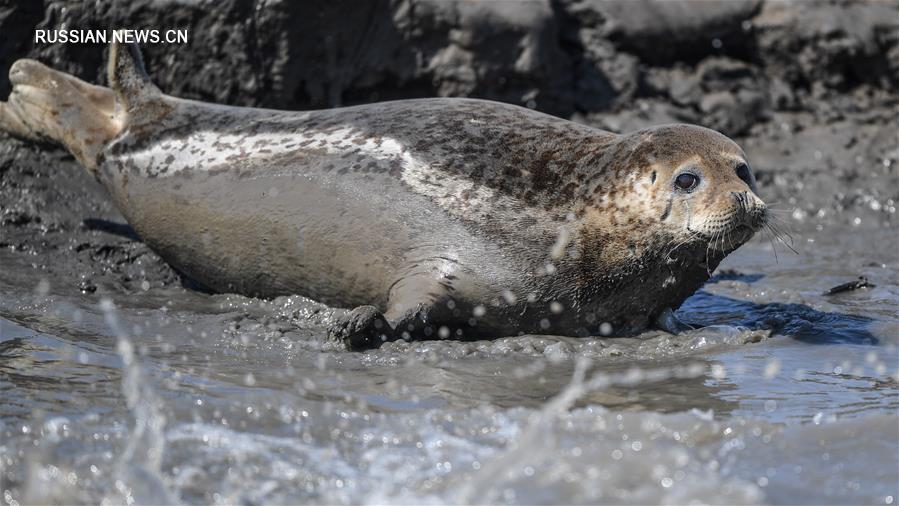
column 314, row 54
column 821, row 45
column 732, row 113
column 667, row 31
column 17, row 22
column 781, row 95
column 685, row 88
column 604, row 78
column 506, row 51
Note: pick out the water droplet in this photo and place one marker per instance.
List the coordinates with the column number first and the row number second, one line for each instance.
column 771, row 368
column 43, row 287
column 718, row 371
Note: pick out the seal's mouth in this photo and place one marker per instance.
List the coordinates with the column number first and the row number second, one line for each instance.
column 743, row 233
column 731, row 238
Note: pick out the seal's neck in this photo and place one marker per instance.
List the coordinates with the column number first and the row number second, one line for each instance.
column 627, row 281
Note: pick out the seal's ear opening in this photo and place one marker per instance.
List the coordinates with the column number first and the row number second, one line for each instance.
column 129, row 79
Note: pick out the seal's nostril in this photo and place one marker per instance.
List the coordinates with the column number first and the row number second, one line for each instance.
column 741, row 200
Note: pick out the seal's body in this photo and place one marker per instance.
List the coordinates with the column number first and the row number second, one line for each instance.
column 453, row 217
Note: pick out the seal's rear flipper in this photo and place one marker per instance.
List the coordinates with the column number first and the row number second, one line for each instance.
column 49, row 105
column 140, row 99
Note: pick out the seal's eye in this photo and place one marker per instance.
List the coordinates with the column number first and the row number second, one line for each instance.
column 686, row 181
column 744, row 174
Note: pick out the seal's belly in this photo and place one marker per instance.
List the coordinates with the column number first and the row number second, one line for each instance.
column 290, row 225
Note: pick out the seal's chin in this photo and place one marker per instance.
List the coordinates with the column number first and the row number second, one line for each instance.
column 732, row 238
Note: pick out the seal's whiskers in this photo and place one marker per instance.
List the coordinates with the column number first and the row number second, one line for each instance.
column 778, row 235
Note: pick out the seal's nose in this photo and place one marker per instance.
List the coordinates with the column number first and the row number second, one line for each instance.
column 755, row 212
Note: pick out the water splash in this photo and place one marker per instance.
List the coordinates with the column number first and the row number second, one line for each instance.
column 139, row 480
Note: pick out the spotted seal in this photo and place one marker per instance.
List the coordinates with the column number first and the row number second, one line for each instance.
column 439, row 218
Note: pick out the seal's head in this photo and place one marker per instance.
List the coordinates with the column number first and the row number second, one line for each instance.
column 701, row 187
column 689, row 184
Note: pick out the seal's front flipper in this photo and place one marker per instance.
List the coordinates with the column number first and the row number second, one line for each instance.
column 421, row 301
column 361, row 329
column 412, row 304
column 49, row 105
column 668, row 322
column 411, row 322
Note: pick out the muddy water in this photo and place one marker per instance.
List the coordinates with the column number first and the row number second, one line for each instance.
column 170, row 395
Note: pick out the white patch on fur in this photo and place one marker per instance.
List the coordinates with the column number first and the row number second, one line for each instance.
column 420, row 176
column 206, row 150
